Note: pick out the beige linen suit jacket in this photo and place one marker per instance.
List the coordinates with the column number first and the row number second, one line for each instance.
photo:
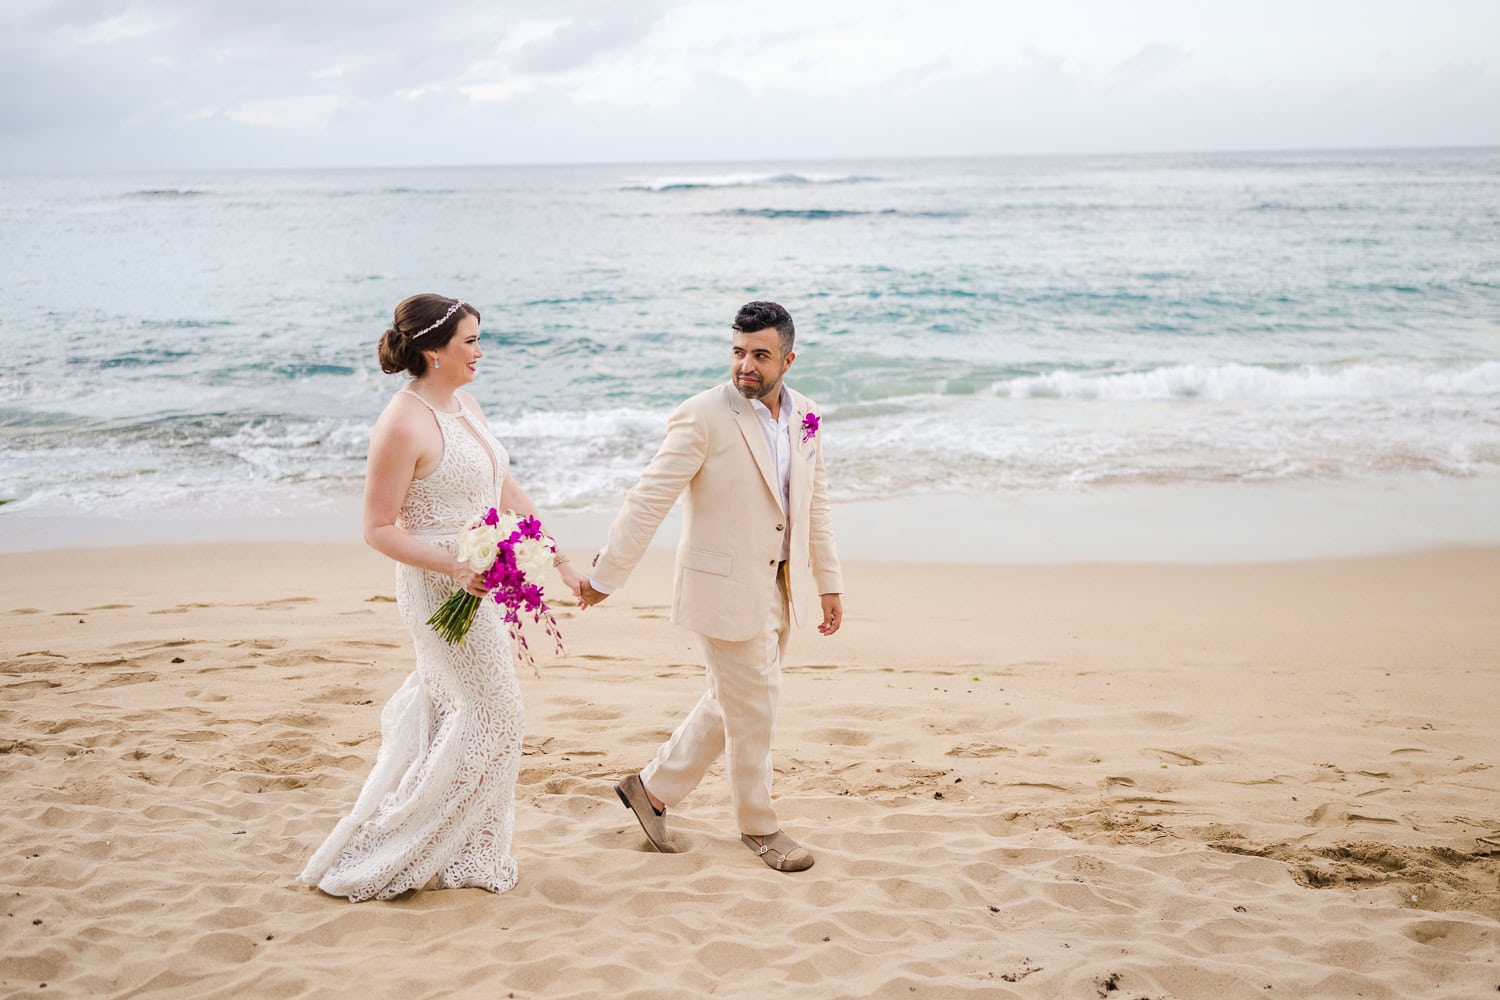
column 724, row 582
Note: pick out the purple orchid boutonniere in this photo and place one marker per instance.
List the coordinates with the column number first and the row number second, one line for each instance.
column 809, row 427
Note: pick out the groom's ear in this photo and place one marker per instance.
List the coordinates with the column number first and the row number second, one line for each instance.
column 787, row 362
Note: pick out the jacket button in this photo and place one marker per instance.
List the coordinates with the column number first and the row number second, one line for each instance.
column 773, row 562
column 778, row 527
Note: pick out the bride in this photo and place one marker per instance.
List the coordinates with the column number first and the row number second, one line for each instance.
column 440, row 800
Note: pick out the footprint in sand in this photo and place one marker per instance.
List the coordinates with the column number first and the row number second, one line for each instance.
column 297, row 720
column 1333, row 814
column 24, row 689
column 1185, row 760
column 155, row 645
column 1046, row 785
column 630, row 838
column 1452, row 935
column 979, row 750
column 12, row 666
column 281, row 602
column 342, row 694
column 593, row 713
column 129, row 677
column 118, row 661
column 198, row 736
column 304, row 658
column 1163, row 720
column 841, row 737
column 1364, row 818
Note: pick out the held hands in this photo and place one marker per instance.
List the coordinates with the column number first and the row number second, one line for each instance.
column 572, row 579
column 588, row 596
column 833, row 613
column 578, row 583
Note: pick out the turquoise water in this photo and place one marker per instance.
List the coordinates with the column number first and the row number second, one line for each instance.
column 204, row 343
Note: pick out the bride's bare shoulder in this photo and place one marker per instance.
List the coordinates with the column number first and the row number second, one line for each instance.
column 404, row 416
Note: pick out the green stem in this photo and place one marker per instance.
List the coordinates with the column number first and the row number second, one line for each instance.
column 453, row 618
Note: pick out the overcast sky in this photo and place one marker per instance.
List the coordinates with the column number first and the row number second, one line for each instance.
column 185, row 84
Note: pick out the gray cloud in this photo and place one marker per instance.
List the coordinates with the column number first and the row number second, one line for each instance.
column 919, row 76
column 584, row 39
column 1151, row 61
column 153, row 84
column 77, row 62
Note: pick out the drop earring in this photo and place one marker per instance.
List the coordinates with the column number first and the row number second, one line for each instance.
column 436, row 363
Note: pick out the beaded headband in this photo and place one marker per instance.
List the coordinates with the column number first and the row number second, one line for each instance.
column 446, row 317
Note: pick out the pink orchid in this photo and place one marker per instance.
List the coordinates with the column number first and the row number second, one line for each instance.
column 508, row 586
column 809, row 427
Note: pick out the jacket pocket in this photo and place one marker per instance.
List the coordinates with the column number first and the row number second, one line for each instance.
column 705, row 561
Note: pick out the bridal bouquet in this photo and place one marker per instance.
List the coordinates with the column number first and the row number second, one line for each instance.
column 511, row 552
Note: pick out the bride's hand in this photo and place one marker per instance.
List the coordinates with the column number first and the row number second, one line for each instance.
column 468, row 579
column 571, row 578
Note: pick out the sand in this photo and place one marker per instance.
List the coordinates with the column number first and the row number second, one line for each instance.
column 1074, row 781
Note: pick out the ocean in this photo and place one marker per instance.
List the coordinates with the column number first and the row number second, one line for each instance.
column 200, row 346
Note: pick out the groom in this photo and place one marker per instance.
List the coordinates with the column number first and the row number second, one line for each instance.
column 757, row 542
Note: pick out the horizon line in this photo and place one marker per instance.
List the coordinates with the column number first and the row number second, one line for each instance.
column 512, row 164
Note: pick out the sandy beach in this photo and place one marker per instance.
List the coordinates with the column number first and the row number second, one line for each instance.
column 1074, row 781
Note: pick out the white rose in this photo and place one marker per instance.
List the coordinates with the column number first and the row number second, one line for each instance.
column 476, row 548
column 533, row 556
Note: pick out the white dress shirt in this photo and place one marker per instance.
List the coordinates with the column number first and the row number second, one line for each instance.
column 778, row 439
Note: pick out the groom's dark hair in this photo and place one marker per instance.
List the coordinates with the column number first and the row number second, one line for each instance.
column 755, row 316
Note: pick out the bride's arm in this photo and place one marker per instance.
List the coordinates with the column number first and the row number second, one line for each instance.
column 514, row 498
column 394, row 451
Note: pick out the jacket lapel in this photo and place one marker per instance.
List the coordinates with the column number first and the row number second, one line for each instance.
column 744, row 416
column 798, row 478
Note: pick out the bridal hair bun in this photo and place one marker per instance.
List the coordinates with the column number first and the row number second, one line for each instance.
column 421, row 323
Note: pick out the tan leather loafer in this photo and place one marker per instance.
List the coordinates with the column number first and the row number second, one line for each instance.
column 633, row 793
column 779, row 851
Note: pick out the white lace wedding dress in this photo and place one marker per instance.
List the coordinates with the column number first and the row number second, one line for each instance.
column 440, row 800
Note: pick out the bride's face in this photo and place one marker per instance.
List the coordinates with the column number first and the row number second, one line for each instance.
column 459, row 358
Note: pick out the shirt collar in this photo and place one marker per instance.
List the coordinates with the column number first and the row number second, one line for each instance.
column 786, row 406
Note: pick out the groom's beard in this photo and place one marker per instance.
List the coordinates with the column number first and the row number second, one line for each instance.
column 757, row 390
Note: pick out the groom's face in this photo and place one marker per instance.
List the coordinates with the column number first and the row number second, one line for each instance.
column 759, row 363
